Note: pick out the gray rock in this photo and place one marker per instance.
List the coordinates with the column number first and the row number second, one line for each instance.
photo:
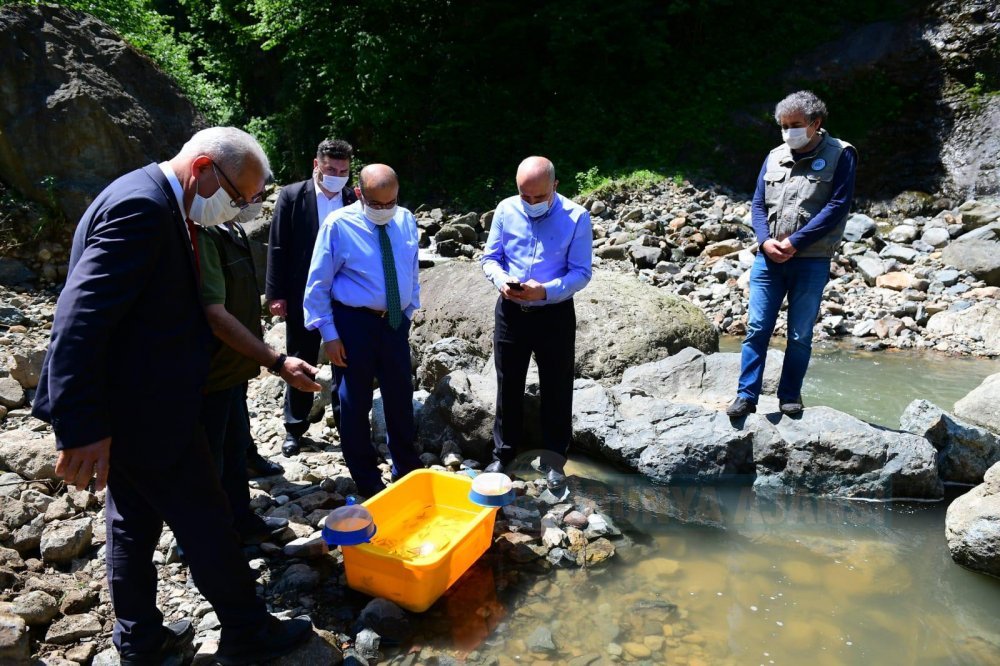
column 981, row 406
column 28, row 455
column 297, row 578
column 859, row 226
column 386, row 619
column 27, row 367
column 870, row 268
column 72, row 70
column 13, row 273
column 366, row 644
column 14, row 641
column 11, row 316
column 78, row 600
column 11, row 393
column 61, row 542
column 14, row 513
column 899, row 253
column 977, row 252
column 936, row 237
column 322, row 648
column 445, row 355
column 981, row 320
column 540, row 640
column 947, row 276
column 972, row 526
column 644, row 257
column 35, row 608
column 306, row 547
column 613, row 252
column 72, row 628
column 965, row 451
column 620, row 323
column 977, row 214
column 903, row 233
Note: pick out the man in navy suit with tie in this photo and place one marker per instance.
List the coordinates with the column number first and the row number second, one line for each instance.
column 122, row 386
column 300, row 211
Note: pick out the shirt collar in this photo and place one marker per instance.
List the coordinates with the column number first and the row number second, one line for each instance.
column 175, row 185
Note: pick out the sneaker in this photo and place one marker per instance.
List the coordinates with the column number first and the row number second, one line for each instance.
column 291, row 445
column 258, row 465
column 177, row 637
column 791, row 407
column 274, row 639
column 740, row 407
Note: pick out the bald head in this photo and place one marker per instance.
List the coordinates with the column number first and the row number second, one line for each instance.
column 536, row 179
column 378, row 177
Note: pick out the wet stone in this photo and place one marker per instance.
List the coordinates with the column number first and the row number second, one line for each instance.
column 540, row 640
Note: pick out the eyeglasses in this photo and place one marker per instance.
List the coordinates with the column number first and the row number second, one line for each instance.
column 240, row 203
column 375, row 205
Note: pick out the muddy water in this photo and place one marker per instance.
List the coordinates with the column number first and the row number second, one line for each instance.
column 721, row 576
column 877, row 386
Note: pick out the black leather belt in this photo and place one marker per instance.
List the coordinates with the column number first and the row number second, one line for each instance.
column 372, row 311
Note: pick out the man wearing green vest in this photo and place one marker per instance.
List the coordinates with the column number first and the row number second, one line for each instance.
column 799, row 212
column 232, row 306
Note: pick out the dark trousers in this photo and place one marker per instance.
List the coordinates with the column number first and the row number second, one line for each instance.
column 186, row 496
column 374, row 351
column 301, row 343
column 226, row 421
column 550, row 333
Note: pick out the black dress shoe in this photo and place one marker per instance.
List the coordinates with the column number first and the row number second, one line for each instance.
column 740, row 407
column 274, row 639
column 260, row 529
column 494, row 467
column 791, row 407
column 292, row 444
column 177, row 636
column 258, row 465
column 557, row 483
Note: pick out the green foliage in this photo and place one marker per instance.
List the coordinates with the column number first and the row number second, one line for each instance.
column 454, row 95
column 23, row 221
column 593, row 183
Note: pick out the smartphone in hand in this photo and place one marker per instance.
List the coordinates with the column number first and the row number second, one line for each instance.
column 515, row 286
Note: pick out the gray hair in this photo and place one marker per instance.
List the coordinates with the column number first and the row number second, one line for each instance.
column 229, row 147
column 803, row 101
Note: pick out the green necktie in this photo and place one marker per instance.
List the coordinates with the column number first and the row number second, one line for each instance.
column 393, row 311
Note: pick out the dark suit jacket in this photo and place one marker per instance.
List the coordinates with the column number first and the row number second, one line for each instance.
column 290, row 245
column 129, row 349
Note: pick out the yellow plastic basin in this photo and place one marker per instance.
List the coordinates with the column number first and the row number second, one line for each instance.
column 429, row 534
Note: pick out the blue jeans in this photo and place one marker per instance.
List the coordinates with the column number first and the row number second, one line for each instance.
column 802, row 280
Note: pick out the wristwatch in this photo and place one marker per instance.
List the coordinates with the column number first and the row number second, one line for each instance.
column 278, row 365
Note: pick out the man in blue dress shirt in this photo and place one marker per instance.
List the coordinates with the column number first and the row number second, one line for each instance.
column 360, row 295
column 538, row 255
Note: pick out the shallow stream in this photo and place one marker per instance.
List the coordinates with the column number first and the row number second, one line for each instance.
column 720, row 576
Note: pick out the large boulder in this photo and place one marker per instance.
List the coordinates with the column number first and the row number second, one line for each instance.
column 981, row 321
column 79, row 106
column 965, row 451
column 446, row 355
column 972, row 526
column 981, row 405
column 620, row 322
column 977, row 252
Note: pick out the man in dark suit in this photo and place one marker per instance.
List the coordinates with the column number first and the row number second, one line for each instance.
column 122, row 384
column 300, row 211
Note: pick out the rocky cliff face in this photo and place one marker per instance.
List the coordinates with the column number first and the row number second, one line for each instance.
column 917, row 96
column 79, row 107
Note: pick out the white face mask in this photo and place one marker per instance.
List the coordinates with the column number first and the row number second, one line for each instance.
column 213, row 211
column 795, row 137
column 380, row 217
column 334, row 183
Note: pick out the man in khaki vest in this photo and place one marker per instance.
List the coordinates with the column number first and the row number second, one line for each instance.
column 800, row 209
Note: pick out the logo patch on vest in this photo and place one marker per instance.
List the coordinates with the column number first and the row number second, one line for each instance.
column 818, row 164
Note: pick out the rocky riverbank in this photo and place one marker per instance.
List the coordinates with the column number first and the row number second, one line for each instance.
column 918, row 273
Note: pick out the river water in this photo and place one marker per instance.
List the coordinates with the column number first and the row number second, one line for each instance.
column 721, row 576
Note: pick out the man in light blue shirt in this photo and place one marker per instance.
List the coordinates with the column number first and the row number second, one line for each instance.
column 360, row 295
column 538, row 255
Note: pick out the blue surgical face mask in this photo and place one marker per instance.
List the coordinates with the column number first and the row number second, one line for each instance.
column 536, row 209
